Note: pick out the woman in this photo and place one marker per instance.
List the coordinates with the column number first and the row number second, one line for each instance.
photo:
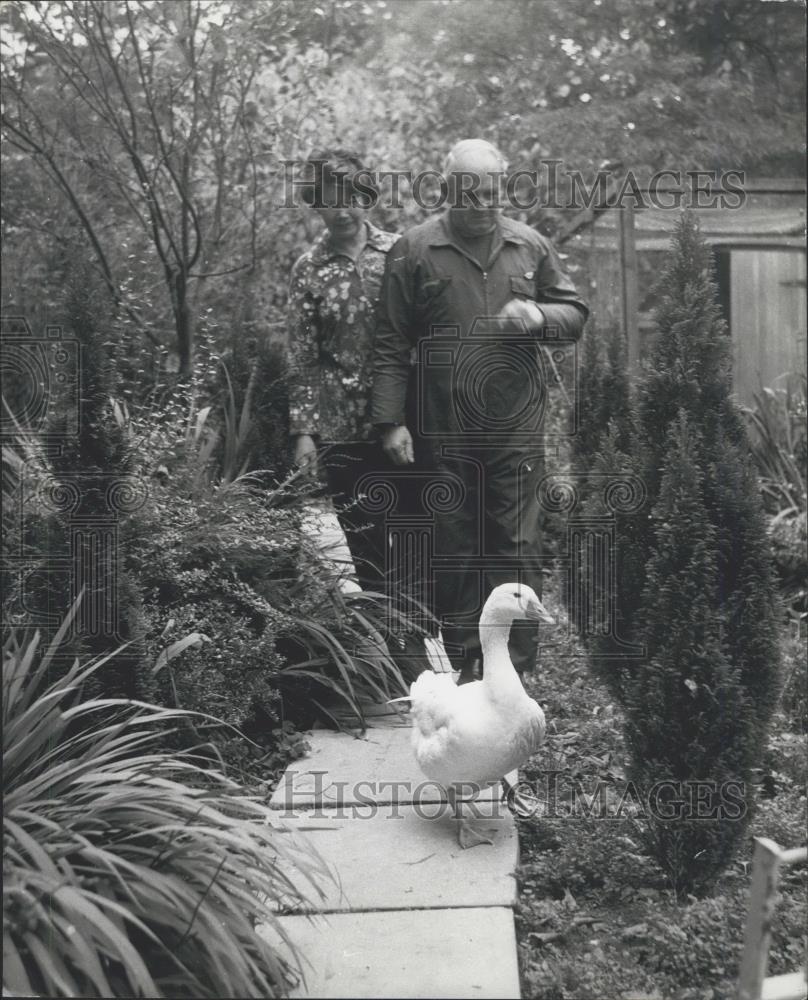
column 333, row 296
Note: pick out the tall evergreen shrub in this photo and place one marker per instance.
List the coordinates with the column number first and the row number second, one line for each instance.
column 603, row 431
column 604, row 396
column 97, row 464
column 694, row 583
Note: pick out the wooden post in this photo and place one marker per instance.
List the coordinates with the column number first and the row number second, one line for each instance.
column 630, row 284
column 765, row 863
column 752, row 981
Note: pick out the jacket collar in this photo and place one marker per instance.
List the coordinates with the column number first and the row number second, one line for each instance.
column 505, row 232
column 322, row 251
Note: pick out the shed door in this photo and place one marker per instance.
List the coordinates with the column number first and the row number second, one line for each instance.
column 767, row 317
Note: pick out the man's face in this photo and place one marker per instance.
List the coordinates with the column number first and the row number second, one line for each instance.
column 476, row 200
column 342, row 212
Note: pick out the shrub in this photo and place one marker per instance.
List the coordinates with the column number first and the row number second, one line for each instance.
column 213, row 553
column 232, row 561
column 789, row 539
column 253, row 382
column 779, row 441
column 702, row 940
column 85, row 476
column 694, row 577
column 604, row 423
column 685, row 702
column 585, row 856
column 794, row 699
column 129, row 871
column 604, row 393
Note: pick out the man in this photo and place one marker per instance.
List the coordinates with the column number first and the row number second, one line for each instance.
column 472, row 292
column 333, row 296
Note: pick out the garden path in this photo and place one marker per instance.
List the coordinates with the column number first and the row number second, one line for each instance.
column 412, row 915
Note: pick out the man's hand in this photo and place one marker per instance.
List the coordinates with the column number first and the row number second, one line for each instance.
column 397, row 445
column 304, row 453
column 527, row 311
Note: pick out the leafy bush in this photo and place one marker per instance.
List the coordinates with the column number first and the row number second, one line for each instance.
column 129, row 871
column 779, row 441
column 794, row 699
column 700, row 939
column 223, row 556
column 234, row 562
column 254, row 387
column 789, row 538
column 703, row 939
column 584, row 854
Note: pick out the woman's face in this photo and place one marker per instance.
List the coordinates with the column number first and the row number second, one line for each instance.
column 341, row 213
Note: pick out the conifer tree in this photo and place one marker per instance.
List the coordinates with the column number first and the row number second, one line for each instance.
column 694, row 579
column 93, row 464
column 589, row 431
column 684, row 700
column 613, row 597
column 604, row 395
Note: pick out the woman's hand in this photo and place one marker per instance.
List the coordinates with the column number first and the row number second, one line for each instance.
column 304, row 453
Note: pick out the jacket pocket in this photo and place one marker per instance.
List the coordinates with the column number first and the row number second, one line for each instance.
column 433, row 289
column 521, row 285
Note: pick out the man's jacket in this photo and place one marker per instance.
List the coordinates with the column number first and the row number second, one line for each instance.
column 439, row 308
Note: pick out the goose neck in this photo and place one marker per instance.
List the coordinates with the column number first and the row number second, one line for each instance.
column 496, row 655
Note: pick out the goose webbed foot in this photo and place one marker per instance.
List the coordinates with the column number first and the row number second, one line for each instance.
column 467, row 835
column 520, row 804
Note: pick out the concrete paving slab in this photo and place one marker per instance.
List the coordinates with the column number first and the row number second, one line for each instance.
column 411, row 953
column 352, row 726
column 374, row 714
column 400, row 856
column 340, row 769
column 386, row 721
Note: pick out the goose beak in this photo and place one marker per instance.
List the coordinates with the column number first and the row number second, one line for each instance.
column 536, row 612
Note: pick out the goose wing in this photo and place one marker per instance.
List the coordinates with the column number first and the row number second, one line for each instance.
column 529, row 735
column 434, row 697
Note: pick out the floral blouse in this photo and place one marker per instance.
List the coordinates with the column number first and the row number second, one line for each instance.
column 332, row 321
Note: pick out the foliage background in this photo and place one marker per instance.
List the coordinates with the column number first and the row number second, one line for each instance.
column 156, row 134
column 147, row 146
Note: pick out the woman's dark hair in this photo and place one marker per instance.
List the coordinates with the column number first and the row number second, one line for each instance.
column 342, row 167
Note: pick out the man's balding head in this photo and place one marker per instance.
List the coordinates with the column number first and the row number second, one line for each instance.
column 474, row 156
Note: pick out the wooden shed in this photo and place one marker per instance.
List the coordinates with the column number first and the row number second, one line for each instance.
column 759, row 252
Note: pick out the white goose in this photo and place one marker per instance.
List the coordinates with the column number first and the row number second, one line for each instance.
column 472, row 735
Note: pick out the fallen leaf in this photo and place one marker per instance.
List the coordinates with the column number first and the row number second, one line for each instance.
column 545, row 937
column 636, row 930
